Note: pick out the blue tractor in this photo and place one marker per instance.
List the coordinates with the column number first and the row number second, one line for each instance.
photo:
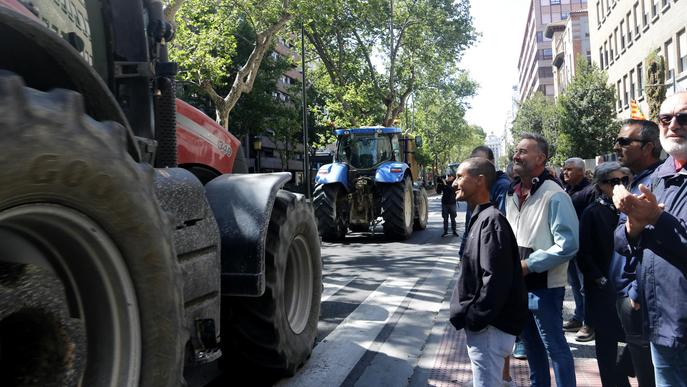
column 372, row 177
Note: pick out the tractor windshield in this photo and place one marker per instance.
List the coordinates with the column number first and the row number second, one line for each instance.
column 364, row 151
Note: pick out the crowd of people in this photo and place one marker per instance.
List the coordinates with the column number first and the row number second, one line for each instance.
column 617, row 237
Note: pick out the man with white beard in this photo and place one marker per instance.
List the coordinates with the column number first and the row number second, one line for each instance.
column 654, row 239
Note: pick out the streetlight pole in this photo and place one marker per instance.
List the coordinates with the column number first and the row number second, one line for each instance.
column 306, row 147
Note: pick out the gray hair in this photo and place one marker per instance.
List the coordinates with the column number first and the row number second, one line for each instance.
column 575, row 162
column 604, row 170
column 542, row 144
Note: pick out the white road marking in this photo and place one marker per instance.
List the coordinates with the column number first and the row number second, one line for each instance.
column 334, row 358
column 333, row 284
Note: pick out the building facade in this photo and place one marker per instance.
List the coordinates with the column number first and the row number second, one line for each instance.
column 569, row 41
column 624, row 32
column 536, row 53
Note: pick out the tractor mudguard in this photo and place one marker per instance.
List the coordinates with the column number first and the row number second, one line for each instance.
column 333, row 173
column 242, row 205
column 391, row 172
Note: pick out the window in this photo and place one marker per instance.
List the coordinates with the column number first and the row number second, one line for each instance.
column 601, row 57
column 632, row 84
column 635, row 12
column 629, row 29
column 625, row 95
column 615, row 42
column 546, row 53
column 681, row 51
column 617, row 91
column 665, row 4
column 646, row 6
column 545, row 72
column 540, row 36
column 555, row 2
column 640, row 80
column 606, row 62
column 610, row 46
column 622, row 34
column 654, row 8
column 670, row 62
column 598, row 13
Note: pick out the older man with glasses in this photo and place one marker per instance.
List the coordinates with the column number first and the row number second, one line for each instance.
column 638, row 148
column 654, row 238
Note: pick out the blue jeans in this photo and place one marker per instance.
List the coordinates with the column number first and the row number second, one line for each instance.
column 670, row 366
column 576, row 284
column 486, row 350
column 543, row 338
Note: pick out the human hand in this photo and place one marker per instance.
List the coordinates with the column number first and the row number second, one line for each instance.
column 641, row 210
column 635, row 305
column 525, row 270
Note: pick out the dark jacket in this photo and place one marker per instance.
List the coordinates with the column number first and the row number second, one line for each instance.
column 581, row 195
column 448, row 196
column 659, row 258
column 490, row 289
column 625, row 283
column 597, row 225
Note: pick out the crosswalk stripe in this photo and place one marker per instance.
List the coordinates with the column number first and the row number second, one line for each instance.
column 334, row 357
column 333, row 284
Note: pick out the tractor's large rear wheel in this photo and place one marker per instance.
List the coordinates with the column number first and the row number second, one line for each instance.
column 421, row 211
column 397, row 209
column 277, row 330
column 331, row 211
column 90, row 292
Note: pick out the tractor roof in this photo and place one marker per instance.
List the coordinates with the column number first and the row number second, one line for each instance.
column 367, row 130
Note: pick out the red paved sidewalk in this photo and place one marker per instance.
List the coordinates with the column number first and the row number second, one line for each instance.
column 452, row 366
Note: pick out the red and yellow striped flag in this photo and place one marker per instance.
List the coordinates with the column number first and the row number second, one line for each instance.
column 635, row 111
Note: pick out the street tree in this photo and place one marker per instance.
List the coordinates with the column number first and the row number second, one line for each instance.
column 206, row 40
column 536, row 114
column 655, row 88
column 586, row 109
column 376, row 53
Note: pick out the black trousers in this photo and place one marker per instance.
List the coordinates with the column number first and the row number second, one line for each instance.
column 637, row 344
column 600, row 305
column 449, row 210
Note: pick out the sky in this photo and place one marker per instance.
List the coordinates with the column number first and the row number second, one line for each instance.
column 493, row 60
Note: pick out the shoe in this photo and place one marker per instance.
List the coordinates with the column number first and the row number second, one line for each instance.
column 519, row 351
column 572, row 325
column 444, row 234
column 455, row 234
column 586, row 333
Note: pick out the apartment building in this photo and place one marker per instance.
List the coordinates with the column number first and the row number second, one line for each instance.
column 624, row 32
column 569, row 41
column 536, row 53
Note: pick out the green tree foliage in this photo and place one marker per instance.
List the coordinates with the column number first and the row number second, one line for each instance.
column 536, row 114
column 376, row 53
column 655, row 88
column 587, row 115
column 206, row 40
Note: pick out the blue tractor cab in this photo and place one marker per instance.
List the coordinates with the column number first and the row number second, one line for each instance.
column 371, row 177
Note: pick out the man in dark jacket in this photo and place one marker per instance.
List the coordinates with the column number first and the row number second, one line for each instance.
column 638, row 147
column 448, row 201
column 581, row 193
column 489, row 299
column 654, row 237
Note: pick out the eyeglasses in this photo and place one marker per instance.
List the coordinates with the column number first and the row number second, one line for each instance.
column 625, row 141
column 666, row 119
column 625, row 180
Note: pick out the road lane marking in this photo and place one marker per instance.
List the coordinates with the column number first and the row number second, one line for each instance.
column 333, row 284
column 334, row 358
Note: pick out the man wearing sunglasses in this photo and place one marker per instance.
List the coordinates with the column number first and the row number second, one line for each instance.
column 654, row 237
column 639, row 149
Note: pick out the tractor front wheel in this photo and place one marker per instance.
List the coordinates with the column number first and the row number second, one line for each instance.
column 331, row 211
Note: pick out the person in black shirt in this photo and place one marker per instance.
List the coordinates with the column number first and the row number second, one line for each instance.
column 448, row 202
column 597, row 225
column 489, row 299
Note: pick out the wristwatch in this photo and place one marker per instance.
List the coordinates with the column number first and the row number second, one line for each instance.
column 601, row 281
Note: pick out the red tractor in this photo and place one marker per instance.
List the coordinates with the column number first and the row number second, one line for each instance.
column 135, row 251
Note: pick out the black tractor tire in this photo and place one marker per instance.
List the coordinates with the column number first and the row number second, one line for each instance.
column 397, row 209
column 421, row 209
column 277, row 331
column 90, row 291
column 329, row 202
